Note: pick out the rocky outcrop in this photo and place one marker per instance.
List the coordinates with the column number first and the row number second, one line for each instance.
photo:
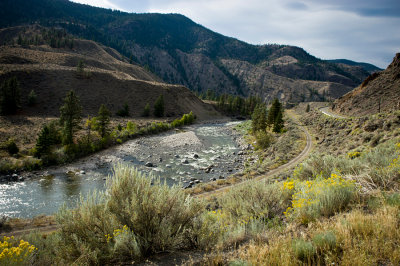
column 380, row 92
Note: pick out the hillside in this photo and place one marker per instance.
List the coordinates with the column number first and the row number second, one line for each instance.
column 106, row 78
column 380, row 92
column 183, row 52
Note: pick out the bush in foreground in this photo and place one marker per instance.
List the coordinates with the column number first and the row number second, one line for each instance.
column 132, row 219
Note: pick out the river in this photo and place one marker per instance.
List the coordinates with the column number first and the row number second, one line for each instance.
column 198, row 153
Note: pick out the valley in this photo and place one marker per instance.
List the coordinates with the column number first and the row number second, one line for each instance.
column 149, row 139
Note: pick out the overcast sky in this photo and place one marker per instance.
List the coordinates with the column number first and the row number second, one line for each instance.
column 359, row 30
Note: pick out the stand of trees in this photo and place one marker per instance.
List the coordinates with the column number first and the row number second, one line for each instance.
column 10, row 96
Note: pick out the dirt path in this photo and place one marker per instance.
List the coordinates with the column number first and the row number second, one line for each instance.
column 306, row 151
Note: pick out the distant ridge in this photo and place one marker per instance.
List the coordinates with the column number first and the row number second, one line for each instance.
column 366, row 66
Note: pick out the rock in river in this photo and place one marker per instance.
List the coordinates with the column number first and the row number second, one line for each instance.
column 149, row 164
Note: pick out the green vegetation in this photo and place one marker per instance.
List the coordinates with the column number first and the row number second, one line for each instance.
column 275, row 116
column 259, row 118
column 10, row 96
column 103, row 121
column 32, row 98
column 124, row 112
column 146, row 110
column 159, row 106
column 10, row 146
column 70, row 117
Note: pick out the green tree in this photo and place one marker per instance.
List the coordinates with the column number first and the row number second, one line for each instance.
column 278, row 123
column 9, row 96
column 103, row 121
column 274, row 111
column 124, row 111
column 32, row 98
column 308, row 108
column 43, row 143
column 259, row 118
column 80, row 67
column 159, row 106
column 146, row 110
column 70, row 117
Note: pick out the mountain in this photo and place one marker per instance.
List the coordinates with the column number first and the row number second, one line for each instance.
column 182, row 52
column 46, row 60
column 367, row 67
column 380, row 92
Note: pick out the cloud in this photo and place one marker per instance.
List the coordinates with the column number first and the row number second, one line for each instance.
column 359, row 30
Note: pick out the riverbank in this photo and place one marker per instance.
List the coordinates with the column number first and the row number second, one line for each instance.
column 186, row 157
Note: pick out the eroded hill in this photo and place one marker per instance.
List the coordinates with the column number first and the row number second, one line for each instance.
column 380, row 92
column 107, row 77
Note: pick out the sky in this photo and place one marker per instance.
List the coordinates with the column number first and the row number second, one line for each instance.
column 359, row 30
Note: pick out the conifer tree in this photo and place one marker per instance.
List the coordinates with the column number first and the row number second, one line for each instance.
column 103, row 120
column 9, row 96
column 275, row 109
column 159, row 106
column 43, row 142
column 70, row 117
column 146, row 110
column 278, row 123
column 258, row 118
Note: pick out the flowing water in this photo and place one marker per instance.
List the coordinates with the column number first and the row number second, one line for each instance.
column 200, row 152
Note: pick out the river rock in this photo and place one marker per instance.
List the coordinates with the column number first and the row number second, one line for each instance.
column 177, row 156
column 82, row 172
column 193, row 179
column 208, row 169
column 168, row 165
column 160, row 160
column 221, row 177
column 149, row 164
column 185, row 161
column 196, row 156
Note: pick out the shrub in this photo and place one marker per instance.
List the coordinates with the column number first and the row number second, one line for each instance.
column 303, row 250
column 255, row 200
column 264, row 139
column 320, row 197
column 132, row 219
column 14, row 253
column 325, row 240
column 11, row 147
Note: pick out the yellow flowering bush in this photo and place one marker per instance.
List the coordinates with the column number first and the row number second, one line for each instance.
column 354, row 154
column 14, row 253
column 320, row 197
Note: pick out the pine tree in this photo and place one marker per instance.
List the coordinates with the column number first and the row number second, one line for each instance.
column 43, row 142
column 275, row 109
column 32, row 98
column 159, row 106
column 70, row 117
column 278, row 123
column 103, row 120
column 10, row 96
column 146, row 110
column 258, row 118
column 308, row 108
